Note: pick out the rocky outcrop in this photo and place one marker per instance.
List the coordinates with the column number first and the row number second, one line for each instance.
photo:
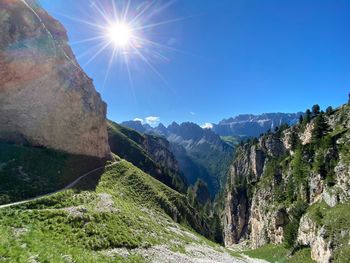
column 266, row 222
column 46, row 99
column 293, row 186
column 245, row 170
column 305, row 137
column 310, row 234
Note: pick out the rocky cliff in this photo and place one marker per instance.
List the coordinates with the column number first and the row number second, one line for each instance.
column 292, row 186
column 45, row 97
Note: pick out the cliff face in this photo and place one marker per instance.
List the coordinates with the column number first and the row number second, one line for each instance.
column 45, row 97
column 292, row 187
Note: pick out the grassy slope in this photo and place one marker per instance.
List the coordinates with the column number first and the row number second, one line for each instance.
column 274, row 253
column 82, row 225
column 231, row 140
column 27, row 171
column 127, row 144
column 336, row 222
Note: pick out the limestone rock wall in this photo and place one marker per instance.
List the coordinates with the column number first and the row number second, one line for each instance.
column 46, row 99
column 288, row 180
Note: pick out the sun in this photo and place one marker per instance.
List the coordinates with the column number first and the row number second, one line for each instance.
column 120, row 34
column 128, row 31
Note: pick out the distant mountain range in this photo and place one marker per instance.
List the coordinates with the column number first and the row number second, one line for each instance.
column 206, row 153
column 201, row 153
column 243, row 125
column 249, row 125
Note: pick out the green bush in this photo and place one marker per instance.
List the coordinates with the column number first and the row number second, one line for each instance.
column 291, row 229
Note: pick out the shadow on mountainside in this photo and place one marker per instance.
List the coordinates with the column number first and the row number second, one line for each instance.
column 27, row 172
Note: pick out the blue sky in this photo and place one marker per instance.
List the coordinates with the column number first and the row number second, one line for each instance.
column 224, row 58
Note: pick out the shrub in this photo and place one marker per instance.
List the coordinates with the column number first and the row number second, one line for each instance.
column 291, row 229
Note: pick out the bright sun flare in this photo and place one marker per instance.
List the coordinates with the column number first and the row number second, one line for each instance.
column 120, row 34
column 128, row 30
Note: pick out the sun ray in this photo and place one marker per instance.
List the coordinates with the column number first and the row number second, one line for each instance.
column 161, row 8
column 92, row 39
column 135, row 19
column 156, row 44
column 101, row 12
column 115, row 12
column 93, row 49
column 130, row 77
column 79, row 20
column 110, row 62
column 97, row 53
column 151, row 66
column 162, row 23
column 125, row 29
column 126, row 11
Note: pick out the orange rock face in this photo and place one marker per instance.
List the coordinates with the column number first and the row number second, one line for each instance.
column 46, row 99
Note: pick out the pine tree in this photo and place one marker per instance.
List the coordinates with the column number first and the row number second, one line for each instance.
column 316, row 109
column 301, row 119
column 329, row 110
column 294, row 140
column 307, row 116
column 320, row 128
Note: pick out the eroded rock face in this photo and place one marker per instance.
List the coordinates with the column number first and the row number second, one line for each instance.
column 307, row 135
column 266, row 222
column 45, row 97
column 272, row 193
column 272, row 146
column 309, row 234
column 246, row 169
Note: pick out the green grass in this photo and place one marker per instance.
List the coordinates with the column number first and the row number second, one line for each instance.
column 271, row 253
column 141, row 215
column 336, row 221
column 28, row 171
column 130, row 145
column 301, row 256
column 277, row 253
column 231, row 140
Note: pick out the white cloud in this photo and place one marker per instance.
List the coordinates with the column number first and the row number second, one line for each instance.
column 207, row 125
column 138, row 119
column 192, row 113
column 152, row 120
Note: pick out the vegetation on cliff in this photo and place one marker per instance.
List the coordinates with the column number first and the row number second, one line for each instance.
column 299, row 167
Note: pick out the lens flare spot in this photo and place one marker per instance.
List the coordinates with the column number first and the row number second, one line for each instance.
column 120, row 34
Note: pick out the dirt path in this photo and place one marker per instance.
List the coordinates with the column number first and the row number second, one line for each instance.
column 72, row 184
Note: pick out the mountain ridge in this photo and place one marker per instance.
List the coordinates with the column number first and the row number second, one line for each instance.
column 201, row 153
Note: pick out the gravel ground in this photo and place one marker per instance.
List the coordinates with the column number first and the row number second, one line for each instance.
column 195, row 253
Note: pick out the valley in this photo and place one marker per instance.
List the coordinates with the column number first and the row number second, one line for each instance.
column 77, row 186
